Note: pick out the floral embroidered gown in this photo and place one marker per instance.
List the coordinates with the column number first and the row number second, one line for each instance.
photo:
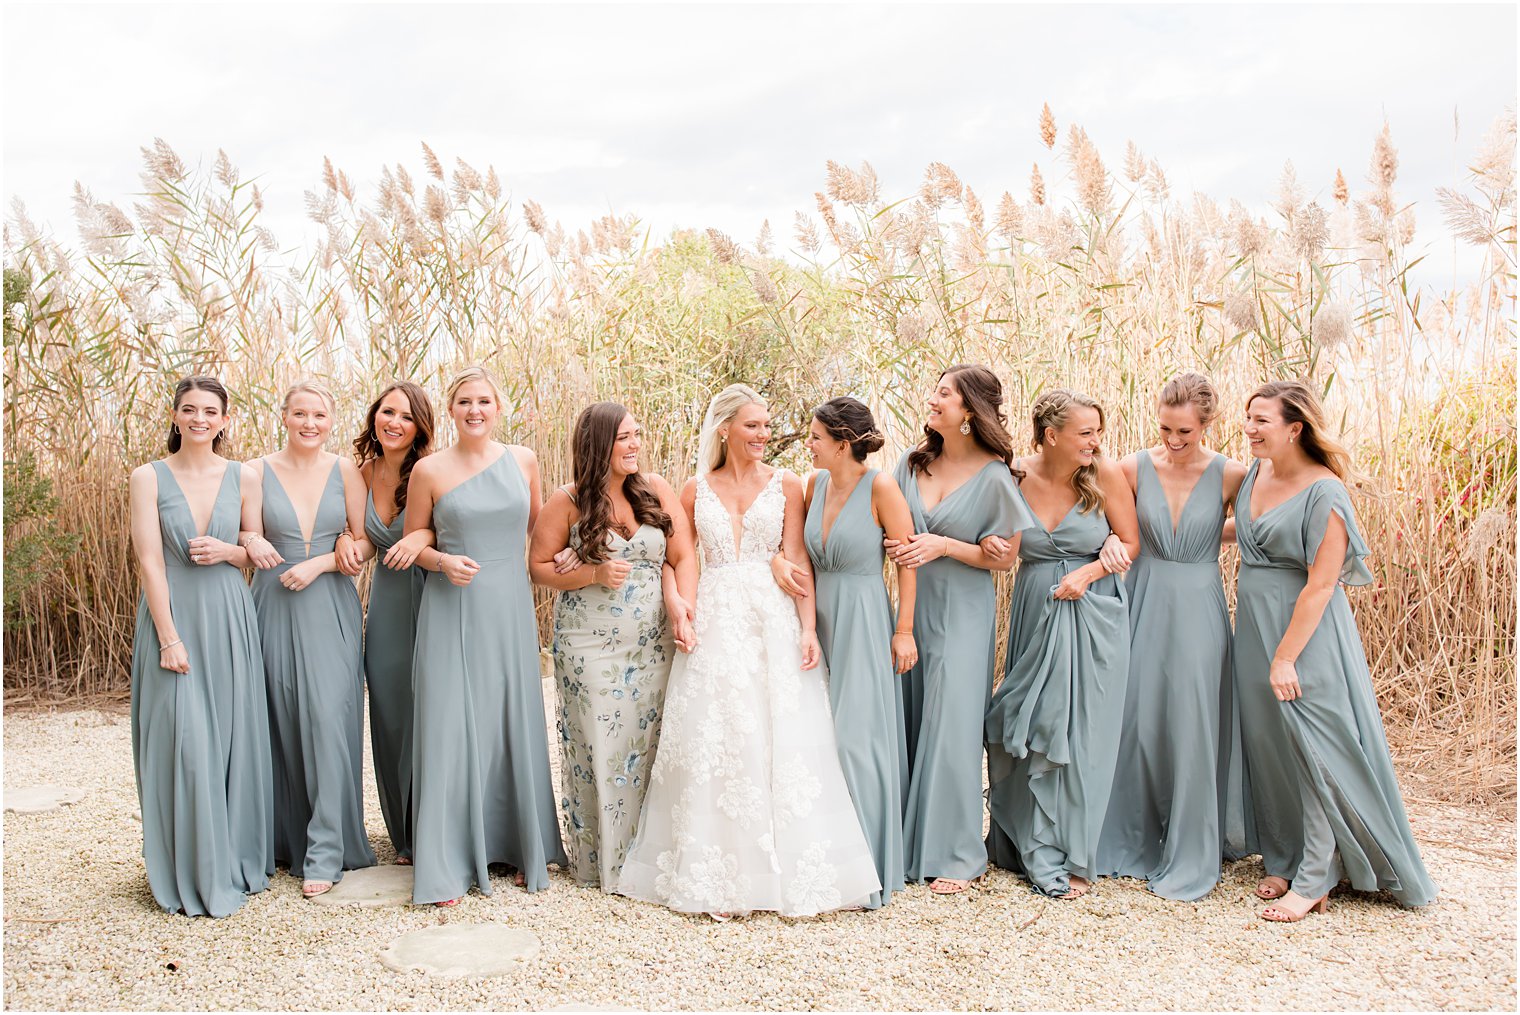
column 747, row 807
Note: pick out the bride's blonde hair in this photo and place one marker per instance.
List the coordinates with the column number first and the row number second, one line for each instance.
column 711, row 452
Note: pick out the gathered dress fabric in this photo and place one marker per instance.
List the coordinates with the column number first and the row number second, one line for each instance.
column 200, row 740
column 1176, row 806
column 1325, row 798
column 480, row 766
column 747, row 807
column 612, row 655
column 855, row 624
column 390, row 634
column 947, row 692
column 1053, row 727
column 314, row 677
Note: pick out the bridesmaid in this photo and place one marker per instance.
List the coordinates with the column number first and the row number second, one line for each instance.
column 612, row 643
column 850, row 508
column 1167, row 813
column 481, row 787
column 1326, row 801
column 965, row 510
column 200, row 731
column 1053, row 728
column 311, row 627
column 398, row 432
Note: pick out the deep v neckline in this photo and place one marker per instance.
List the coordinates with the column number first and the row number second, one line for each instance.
column 737, row 534
column 824, row 528
column 1251, row 497
column 305, row 533
column 1187, row 500
column 918, row 486
column 195, row 526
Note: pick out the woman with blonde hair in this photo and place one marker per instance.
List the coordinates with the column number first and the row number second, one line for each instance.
column 1323, row 790
column 748, row 808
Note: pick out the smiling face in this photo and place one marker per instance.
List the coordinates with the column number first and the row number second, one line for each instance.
column 395, row 428
column 308, row 420
column 748, row 432
column 1080, row 439
column 1268, row 435
column 200, row 417
column 947, row 409
column 1181, row 429
column 826, row 450
column 474, row 409
column 625, row 448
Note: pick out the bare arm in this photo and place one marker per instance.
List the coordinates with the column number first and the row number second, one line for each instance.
column 681, row 547
column 796, row 552
column 550, row 536
column 896, row 521
column 528, row 462
column 147, row 542
column 1119, row 508
column 354, row 491
column 1324, row 573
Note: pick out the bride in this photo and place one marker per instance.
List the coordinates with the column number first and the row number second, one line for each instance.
column 747, row 807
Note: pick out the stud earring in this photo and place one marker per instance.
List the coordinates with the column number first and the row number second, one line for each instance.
column 966, row 427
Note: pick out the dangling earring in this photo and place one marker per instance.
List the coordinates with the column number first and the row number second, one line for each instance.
column 966, row 427
column 722, row 438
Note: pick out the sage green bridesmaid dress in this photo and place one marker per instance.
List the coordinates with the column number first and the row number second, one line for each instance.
column 612, row 656
column 1053, row 727
column 390, row 629
column 313, row 643
column 1165, row 820
column 945, row 695
column 855, row 623
column 200, row 740
column 480, row 753
column 1326, row 801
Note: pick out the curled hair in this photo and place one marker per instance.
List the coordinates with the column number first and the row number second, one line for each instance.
column 466, row 376
column 1193, row 389
column 197, row 382
column 982, row 395
column 711, row 452
column 1052, row 411
column 310, row 387
column 591, row 442
column 849, row 419
column 367, row 445
column 1301, row 405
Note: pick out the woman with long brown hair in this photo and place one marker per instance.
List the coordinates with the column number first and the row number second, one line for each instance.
column 1322, row 786
column 613, row 627
column 965, row 513
column 398, row 432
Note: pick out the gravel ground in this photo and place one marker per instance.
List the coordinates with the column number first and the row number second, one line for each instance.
column 82, row 931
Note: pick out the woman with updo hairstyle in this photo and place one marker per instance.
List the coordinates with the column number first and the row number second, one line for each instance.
column 397, row 434
column 966, row 516
column 1053, row 728
column 614, row 621
column 1176, row 801
column 311, row 625
column 200, row 731
column 1324, row 796
column 481, row 788
column 850, row 509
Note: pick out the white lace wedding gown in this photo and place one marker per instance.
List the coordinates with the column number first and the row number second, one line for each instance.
column 747, row 807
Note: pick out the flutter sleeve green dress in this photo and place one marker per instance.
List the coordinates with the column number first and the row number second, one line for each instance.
column 1053, row 727
column 390, row 631
column 200, row 740
column 1165, row 820
column 313, row 642
column 855, row 623
column 1322, row 785
column 945, row 695
column 481, row 783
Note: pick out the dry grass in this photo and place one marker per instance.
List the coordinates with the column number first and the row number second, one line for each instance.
column 1109, row 283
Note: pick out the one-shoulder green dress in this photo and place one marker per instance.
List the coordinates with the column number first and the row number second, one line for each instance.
column 480, row 763
column 855, row 623
column 1165, row 820
column 1322, row 786
column 945, row 695
column 1053, row 728
column 313, row 644
column 200, row 740
column 390, row 630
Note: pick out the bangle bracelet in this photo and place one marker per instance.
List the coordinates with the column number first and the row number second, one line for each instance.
column 165, row 648
column 908, row 633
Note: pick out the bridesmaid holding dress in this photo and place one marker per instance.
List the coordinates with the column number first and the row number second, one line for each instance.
column 1053, row 727
column 481, row 786
column 311, row 626
column 398, row 432
column 1322, row 785
column 850, row 508
column 1174, row 805
column 200, row 732
column 965, row 512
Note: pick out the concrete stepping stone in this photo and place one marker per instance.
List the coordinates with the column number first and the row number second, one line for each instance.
column 461, row 949
column 382, row 885
column 35, row 799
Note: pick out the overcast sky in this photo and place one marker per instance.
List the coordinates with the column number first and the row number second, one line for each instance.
column 723, row 116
